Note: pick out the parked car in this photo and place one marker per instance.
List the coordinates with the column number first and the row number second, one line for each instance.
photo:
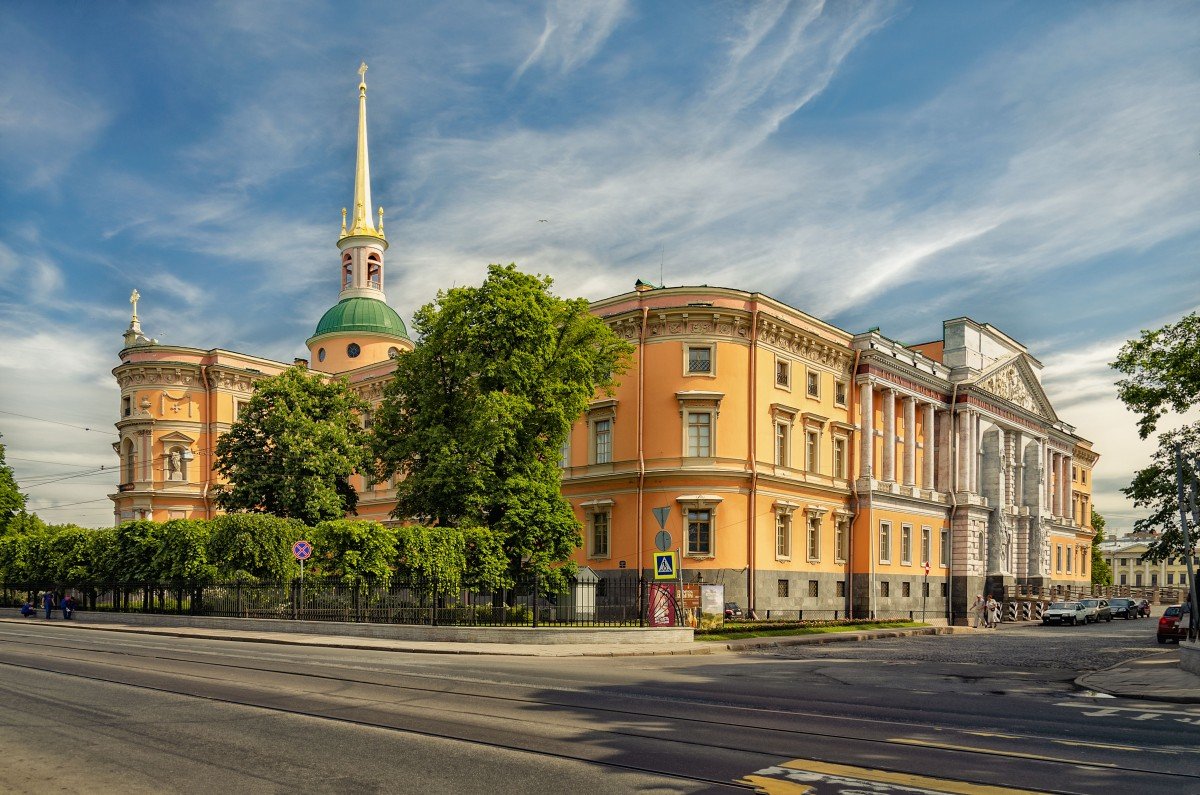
column 1144, row 606
column 1065, row 613
column 1098, row 610
column 1124, row 608
column 1171, row 626
column 732, row 610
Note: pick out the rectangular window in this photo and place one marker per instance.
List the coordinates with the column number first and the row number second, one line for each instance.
column 600, row 535
column 926, row 545
column 781, row 589
column 945, row 550
column 814, row 588
column 781, row 443
column 783, row 373
column 945, row 590
column 906, row 589
column 885, row 542
column 564, row 455
column 885, row 588
column 839, row 457
column 1137, row 578
column 1124, row 579
column 700, row 359
column 783, row 535
column 841, row 538
column 699, row 434
column 840, row 390
column 1058, row 557
column 841, row 588
column 1124, row 561
column 814, row 538
column 812, row 441
column 906, row 544
column 699, row 531
column 814, row 384
column 1070, row 555
column 1154, row 579
column 1170, row 578
column 603, row 434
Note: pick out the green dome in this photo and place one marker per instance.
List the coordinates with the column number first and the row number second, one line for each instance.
column 362, row 315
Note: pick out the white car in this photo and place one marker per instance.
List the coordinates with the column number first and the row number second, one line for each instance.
column 1065, row 613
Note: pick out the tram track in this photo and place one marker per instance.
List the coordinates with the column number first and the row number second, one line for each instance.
column 397, row 705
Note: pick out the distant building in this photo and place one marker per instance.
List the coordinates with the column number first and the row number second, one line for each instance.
column 1124, row 554
column 805, row 468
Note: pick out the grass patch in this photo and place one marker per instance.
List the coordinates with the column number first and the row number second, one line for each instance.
column 768, row 631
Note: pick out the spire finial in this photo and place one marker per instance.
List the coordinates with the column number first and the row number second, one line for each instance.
column 381, row 219
column 133, row 299
column 360, row 221
column 343, row 222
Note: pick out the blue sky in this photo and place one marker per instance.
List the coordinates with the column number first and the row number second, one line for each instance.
column 1032, row 165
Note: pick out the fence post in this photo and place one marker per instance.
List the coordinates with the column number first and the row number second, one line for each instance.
column 641, row 600
column 535, row 598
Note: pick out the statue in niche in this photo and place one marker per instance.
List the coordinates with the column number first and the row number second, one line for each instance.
column 174, row 465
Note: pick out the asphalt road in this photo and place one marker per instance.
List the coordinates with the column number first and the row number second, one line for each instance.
column 106, row 712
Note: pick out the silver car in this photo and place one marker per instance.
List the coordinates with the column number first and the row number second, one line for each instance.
column 1065, row 613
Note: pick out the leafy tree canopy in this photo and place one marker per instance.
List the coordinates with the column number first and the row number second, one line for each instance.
column 12, row 501
column 293, row 449
column 472, row 557
column 1101, row 573
column 354, row 549
column 254, row 546
column 476, row 415
column 1162, row 369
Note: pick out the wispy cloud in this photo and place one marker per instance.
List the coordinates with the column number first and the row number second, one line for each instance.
column 574, row 32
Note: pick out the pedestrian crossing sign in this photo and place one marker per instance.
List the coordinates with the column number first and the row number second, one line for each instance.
column 664, row 566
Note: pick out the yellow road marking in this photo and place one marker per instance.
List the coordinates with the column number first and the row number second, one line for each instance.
column 774, row 786
column 1082, row 743
column 996, row 752
column 903, row 779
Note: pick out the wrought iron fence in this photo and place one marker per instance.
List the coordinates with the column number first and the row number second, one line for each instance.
column 605, row 602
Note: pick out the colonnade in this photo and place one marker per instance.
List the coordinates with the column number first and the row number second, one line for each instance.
column 908, row 462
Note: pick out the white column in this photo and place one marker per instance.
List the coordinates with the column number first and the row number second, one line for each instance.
column 927, row 481
column 866, row 402
column 1018, row 468
column 972, row 451
column 1001, row 484
column 1069, row 496
column 963, row 448
column 910, row 441
column 1059, row 460
column 889, row 435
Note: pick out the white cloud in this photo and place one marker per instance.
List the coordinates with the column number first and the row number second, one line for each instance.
column 574, row 32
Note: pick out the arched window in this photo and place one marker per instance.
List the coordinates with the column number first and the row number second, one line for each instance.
column 126, row 406
column 347, row 271
column 374, row 271
column 128, row 461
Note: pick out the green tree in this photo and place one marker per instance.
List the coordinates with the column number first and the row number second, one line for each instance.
column 71, row 560
column 476, row 415
column 181, row 558
column 354, row 549
column 12, row 501
column 1101, row 573
column 293, row 449
column 1162, row 375
column 472, row 557
column 254, row 546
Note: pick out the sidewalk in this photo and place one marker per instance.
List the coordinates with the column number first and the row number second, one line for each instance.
column 502, row 649
column 1157, row 677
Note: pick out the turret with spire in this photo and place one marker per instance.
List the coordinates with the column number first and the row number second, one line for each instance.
column 361, row 328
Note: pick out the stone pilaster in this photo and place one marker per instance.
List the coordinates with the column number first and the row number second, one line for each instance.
column 889, row 435
column 866, row 403
column 910, row 441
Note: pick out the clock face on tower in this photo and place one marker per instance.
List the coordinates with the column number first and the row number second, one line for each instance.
column 352, row 350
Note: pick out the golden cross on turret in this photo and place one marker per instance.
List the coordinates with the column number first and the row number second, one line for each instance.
column 133, row 299
column 362, row 73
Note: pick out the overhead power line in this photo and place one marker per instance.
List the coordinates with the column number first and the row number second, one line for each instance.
column 56, row 422
column 70, row 504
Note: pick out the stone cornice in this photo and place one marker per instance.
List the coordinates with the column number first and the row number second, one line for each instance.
column 157, row 374
column 783, row 336
column 886, row 370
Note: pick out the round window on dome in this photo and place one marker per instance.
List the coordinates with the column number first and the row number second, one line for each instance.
column 320, row 354
column 393, row 352
column 352, row 350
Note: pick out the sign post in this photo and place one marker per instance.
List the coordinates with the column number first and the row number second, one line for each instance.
column 301, row 551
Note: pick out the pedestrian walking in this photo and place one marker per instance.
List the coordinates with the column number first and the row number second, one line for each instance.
column 993, row 610
column 977, row 608
column 49, row 602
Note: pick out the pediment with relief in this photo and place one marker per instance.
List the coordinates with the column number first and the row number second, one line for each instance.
column 1015, row 382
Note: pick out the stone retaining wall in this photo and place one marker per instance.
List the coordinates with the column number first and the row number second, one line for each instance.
column 1189, row 657
column 541, row 635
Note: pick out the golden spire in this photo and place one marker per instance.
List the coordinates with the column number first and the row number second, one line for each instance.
column 360, row 221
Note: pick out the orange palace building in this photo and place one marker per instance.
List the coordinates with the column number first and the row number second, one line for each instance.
column 803, row 467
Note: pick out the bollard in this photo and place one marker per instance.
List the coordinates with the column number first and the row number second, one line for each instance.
column 1010, row 612
column 1039, row 609
column 1027, row 611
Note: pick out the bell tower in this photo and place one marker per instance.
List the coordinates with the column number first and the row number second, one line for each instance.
column 361, row 329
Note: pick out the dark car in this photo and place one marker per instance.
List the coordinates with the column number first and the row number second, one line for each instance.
column 1171, row 626
column 732, row 610
column 1098, row 610
column 1144, row 606
column 1124, row 608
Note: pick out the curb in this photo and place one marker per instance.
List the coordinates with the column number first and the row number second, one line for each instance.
column 750, row 644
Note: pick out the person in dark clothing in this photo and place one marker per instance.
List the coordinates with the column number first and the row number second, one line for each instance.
column 49, row 602
column 68, row 606
column 27, row 609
